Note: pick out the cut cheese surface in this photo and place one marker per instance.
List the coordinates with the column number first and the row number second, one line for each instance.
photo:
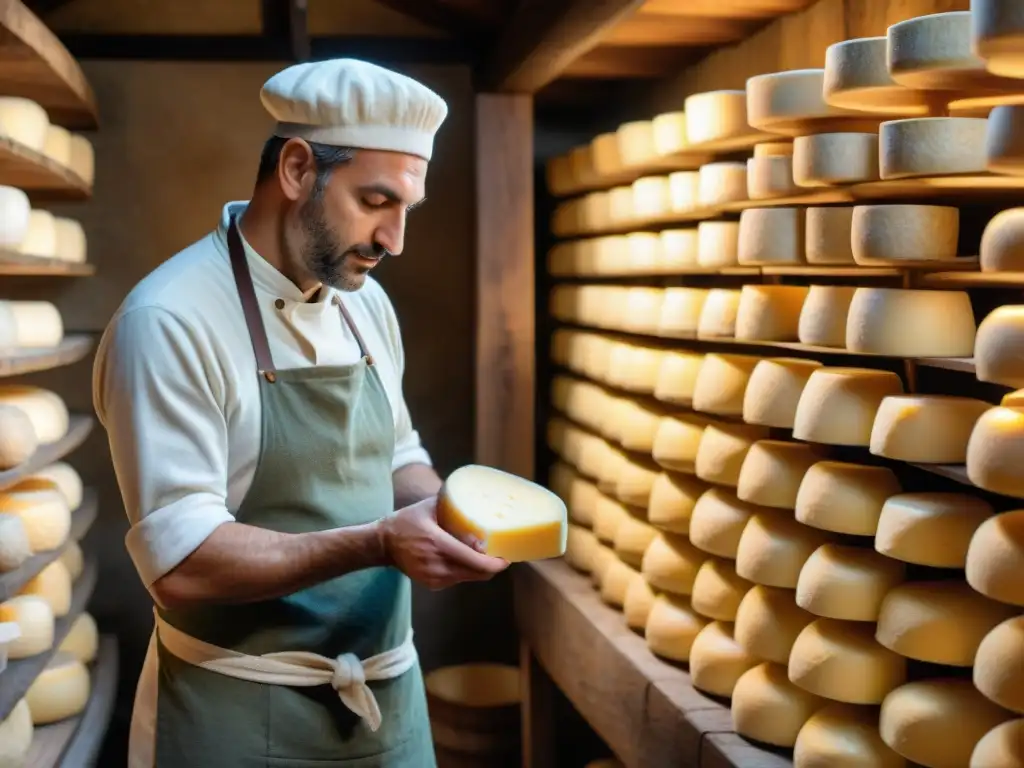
column 774, row 389
column 771, row 236
column 768, row 621
column 43, row 511
column 911, row 323
column 716, row 116
column 942, row 622
column 791, row 103
column 53, row 584
column 722, row 183
column 1003, row 746
column 827, row 235
column 718, row 244
column 671, row 563
column 931, row 146
column 1002, row 243
column 770, row 176
column 16, row 733
column 890, row 234
column 82, row 640
column 35, row 619
column 843, row 736
column 673, row 498
column 717, row 522
column 995, row 557
column 677, row 377
column 718, row 317
column 14, row 545
column 717, row 590
column 842, row 661
column 767, row 707
column 857, row 77
column 838, row 405
column 845, row 498
column 772, row 472
column 61, row 690
column 925, row 429
column 828, row 159
column 717, row 661
column 937, row 723
column 998, row 438
column 774, row 547
column 999, row 665
column 770, row 312
column 932, row 529
column 722, row 382
column 513, row 518
column 824, row 315
column 845, row 582
column 672, row 627
column 677, row 442
column 999, row 336
column 723, row 448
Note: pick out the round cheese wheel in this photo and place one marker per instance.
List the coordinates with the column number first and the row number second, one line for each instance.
column 632, row 538
column 671, row 563
column 582, row 500
column 838, row 405
column 774, row 547
column 774, row 389
column 717, row 244
column 636, row 143
column 1013, row 399
column 635, row 481
column 824, row 315
column 560, row 479
column 14, row 215
column 937, row 723
column 1002, row 243
column 609, row 514
column 680, row 311
column 827, row 237
column 608, row 255
column 672, row 627
column 722, row 183
column 47, row 411
column 677, row 377
column 998, row 334
column 843, row 736
column 558, row 175
column 770, row 312
column 723, row 447
column 73, row 559
column 925, row 429
column 997, row 439
column 771, row 236
column 8, row 329
column 61, row 690
column 768, row 621
column 669, row 133
column 581, row 165
column 57, row 144
column 677, row 442
column 718, row 318
column 684, row 191
column 767, row 707
column 770, row 176
column 605, row 156
column 642, row 252
column 651, row 197
column 1004, row 149
column 43, row 511
column 615, row 582
column 580, row 546
column 18, row 440
column 791, row 103
column 895, row 233
column 717, row 522
column 942, row 622
column 673, row 499
column 828, row 159
column 933, row 529
column 1002, row 747
column 635, row 369
column 715, row 116
column 16, row 733
column 997, row 36
column 82, row 640
column 53, row 584
column 773, row 149
column 857, row 77
column 931, row 146
column 844, row 582
column 642, row 310
column 722, row 382
column 995, row 558
column 717, row 661
column 638, row 426
column 35, row 619
column 41, row 236
column 999, row 664
column 24, row 122
column 638, row 604
column 717, row 591
column 678, row 249
column 14, row 544
column 845, row 498
column 842, row 661
column 772, row 472
column 600, row 563
column 911, row 323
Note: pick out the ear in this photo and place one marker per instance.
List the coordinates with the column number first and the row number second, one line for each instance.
column 296, row 169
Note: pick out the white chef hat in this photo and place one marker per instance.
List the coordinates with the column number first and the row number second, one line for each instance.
column 352, row 103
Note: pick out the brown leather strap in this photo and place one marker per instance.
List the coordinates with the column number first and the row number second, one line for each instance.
column 355, row 331
column 250, row 305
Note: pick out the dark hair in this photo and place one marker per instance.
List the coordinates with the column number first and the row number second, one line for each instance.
column 327, row 158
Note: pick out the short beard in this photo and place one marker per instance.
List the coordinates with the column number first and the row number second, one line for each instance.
column 324, row 256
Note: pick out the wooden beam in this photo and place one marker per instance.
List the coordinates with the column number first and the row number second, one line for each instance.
column 285, row 23
column 645, row 29
column 543, row 38
column 457, row 20
column 43, row 7
column 505, row 368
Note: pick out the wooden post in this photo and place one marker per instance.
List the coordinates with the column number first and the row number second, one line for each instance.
column 505, row 283
column 540, row 745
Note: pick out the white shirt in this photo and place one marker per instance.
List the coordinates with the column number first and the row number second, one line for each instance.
column 175, row 385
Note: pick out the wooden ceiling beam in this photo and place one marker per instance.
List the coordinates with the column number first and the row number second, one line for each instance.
column 658, row 29
column 462, row 18
column 731, row 9
column 633, row 62
column 543, row 38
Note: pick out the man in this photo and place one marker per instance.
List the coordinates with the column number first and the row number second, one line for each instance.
column 251, row 390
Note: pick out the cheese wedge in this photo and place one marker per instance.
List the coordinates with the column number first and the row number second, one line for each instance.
column 512, row 518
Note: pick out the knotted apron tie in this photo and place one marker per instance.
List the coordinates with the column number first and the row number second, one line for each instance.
column 347, row 674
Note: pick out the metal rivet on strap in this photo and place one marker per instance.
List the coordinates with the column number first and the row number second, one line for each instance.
column 279, row 303
column 269, row 376
column 369, row 359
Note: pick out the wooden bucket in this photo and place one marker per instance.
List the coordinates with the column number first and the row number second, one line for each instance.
column 474, row 715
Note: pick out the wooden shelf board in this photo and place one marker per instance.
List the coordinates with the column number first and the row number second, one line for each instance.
column 956, row 472
column 72, row 349
column 964, row 364
column 76, row 742
column 78, row 430
column 811, row 197
column 979, row 186
column 810, row 270
column 640, row 705
column 81, row 520
column 945, row 279
column 36, row 65
column 743, row 142
column 13, row 264
column 20, row 673
column 39, row 176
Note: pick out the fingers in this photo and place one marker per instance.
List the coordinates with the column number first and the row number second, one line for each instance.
column 468, row 556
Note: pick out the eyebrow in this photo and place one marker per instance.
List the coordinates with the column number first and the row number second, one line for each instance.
column 390, row 195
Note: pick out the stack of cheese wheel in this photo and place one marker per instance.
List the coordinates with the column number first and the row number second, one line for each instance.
column 25, row 122
column 895, row 234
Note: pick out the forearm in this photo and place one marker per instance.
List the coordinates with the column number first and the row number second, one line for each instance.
column 415, row 482
column 240, row 563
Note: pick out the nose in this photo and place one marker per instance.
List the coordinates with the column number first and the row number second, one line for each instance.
column 390, row 234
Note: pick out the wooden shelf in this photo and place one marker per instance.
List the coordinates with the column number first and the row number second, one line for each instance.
column 71, row 350
column 646, row 710
column 972, row 280
column 956, row 472
column 963, row 364
column 20, row 673
column 36, row 65
column 76, row 742
column 78, row 430
column 39, row 176
column 14, row 264
column 81, row 520
column 827, row 196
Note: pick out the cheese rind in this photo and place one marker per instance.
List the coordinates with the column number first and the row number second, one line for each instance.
column 717, row 522
column 911, row 323
column 53, row 584
column 677, row 441
column 637, row 606
column 1002, row 746
column 677, row 377
column 82, row 640
column 996, row 441
column 60, row 691
column 768, row 621
column 722, row 382
column 838, row 405
column 824, row 315
column 771, row 236
column 14, row 545
column 773, row 548
column 43, row 511
column 671, row 563
column 843, row 736
column 632, row 538
column 673, row 498
column 767, row 707
column 857, row 77
column 791, row 103
column 34, row 617
column 718, row 590
column 680, row 311
column 772, row 472
column 999, row 665
column 770, row 312
column 722, row 183
column 718, row 317
column 16, row 732
column 890, row 234
column 14, row 216
column 717, row 661
column 46, row 410
column 1004, row 150
column 770, row 176
column 723, row 447
column 37, row 324
column 774, row 389
column 845, row 498
column 615, row 582
column 580, row 548
column 513, row 518
column 672, row 627
column 23, row 121
column 995, row 558
column 715, row 116
column 844, row 582
column 718, row 244
column 1002, row 243
column 925, row 429
column 827, row 235
column 828, row 159
column 933, row 529
column 999, row 336
column 931, row 146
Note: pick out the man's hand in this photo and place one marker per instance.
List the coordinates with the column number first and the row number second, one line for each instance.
column 422, row 550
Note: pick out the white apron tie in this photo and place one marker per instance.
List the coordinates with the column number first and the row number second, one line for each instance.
column 346, row 673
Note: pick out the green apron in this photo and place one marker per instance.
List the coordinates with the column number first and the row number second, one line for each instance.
column 325, row 462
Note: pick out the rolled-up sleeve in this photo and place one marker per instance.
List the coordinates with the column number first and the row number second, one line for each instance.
column 159, row 402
